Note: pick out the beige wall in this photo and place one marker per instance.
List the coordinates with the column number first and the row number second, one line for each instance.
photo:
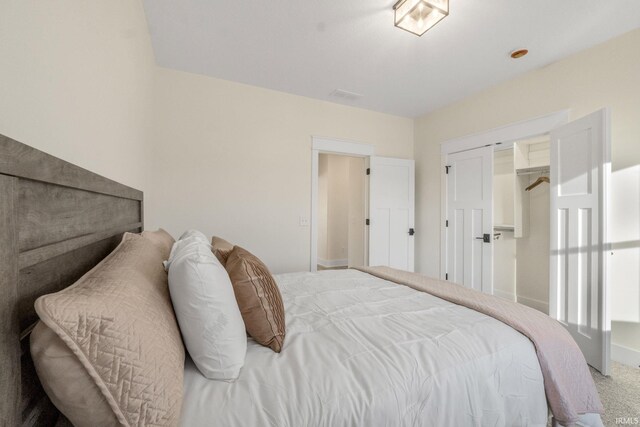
column 235, row 160
column 606, row 75
column 338, row 209
column 76, row 81
column 333, row 206
column 323, row 207
column 341, row 211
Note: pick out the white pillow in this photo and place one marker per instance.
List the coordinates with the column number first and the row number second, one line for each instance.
column 207, row 311
column 194, row 233
column 187, row 237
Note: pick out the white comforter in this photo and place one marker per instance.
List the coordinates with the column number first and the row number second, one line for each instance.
column 361, row 351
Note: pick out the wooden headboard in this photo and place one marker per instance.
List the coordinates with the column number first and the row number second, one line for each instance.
column 57, row 221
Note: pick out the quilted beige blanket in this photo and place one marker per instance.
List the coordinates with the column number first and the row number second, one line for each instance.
column 567, row 381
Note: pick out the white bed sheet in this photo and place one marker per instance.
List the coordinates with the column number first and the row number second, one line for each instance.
column 361, row 351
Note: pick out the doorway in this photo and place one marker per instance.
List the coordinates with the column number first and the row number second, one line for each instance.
column 389, row 205
column 341, row 211
column 521, row 230
column 569, row 227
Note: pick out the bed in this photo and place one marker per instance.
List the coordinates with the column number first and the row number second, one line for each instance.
column 360, row 350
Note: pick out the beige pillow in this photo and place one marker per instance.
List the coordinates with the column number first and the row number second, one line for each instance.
column 258, row 297
column 221, row 249
column 118, row 321
column 163, row 241
column 67, row 382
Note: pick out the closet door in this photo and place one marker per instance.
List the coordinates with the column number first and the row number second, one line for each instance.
column 469, row 219
column 578, row 295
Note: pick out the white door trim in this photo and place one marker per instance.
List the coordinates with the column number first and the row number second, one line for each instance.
column 505, row 135
column 329, row 146
column 340, row 146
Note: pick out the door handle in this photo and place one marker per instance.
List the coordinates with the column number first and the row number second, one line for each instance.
column 486, row 238
column 412, row 232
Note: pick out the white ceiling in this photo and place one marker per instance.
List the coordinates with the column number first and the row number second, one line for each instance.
column 312, row 47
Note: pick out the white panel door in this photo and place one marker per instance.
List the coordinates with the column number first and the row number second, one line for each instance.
column 580, row 153
column 391, row 212
column 469, row 228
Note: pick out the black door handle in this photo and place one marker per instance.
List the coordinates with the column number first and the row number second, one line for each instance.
column 486, row 238
column 412, row 232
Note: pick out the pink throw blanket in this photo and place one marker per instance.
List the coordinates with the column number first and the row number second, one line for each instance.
column 567, row 380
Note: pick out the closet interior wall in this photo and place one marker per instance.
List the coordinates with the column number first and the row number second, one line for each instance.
column 504, row 243
column 521, row 223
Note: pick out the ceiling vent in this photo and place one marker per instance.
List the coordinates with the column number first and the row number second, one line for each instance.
column 345, row 94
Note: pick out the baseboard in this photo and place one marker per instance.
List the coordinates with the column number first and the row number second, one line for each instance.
column 332, row 263
column 542, row 306
column 625, row 355
column 505, row 295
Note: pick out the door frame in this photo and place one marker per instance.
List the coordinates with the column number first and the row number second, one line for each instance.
column 324, row 145
column 505, row 136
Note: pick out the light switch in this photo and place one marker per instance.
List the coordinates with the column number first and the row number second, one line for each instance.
column 304, row 221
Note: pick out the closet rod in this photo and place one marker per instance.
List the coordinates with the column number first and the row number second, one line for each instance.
column 529, row 171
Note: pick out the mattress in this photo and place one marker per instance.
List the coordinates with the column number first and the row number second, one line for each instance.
column 362, row 351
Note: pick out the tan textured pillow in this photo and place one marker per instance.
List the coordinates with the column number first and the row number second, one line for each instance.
column 163, row 241
column 221, row 249
column 258, row 297
column 67, row 382
column 119, row 322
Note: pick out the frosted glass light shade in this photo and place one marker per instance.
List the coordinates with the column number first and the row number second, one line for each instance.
column 417, row 16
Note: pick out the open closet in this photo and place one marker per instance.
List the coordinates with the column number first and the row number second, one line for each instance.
column 521, row 222
column 524, row 217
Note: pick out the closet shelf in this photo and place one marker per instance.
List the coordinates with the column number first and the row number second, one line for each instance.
column 535, row 169
column 504, row 227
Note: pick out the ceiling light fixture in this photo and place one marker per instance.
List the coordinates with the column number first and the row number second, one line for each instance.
column 417, row 16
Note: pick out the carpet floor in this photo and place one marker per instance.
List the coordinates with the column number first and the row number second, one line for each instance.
column 620, row 395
